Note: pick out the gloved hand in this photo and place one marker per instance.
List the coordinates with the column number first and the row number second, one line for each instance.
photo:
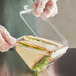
column 6, row 41
column 45, row 8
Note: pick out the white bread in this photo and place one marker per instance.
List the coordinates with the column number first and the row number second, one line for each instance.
column 30, row 55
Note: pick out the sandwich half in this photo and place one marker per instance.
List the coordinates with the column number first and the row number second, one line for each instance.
column 37, row 52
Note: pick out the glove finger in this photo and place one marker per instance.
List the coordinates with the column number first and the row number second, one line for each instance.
column 35, row 10
column 52, row 12
column 50, row 6
column 8, row 38
column 4, row 46
column 45, row 13
column 55, row 11
column 41, row 5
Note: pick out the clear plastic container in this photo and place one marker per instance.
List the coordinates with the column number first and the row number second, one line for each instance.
column 47, row 31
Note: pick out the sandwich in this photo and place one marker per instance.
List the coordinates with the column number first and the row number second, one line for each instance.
column 38, row 52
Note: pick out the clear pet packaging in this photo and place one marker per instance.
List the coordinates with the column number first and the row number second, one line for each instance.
column 40, row 50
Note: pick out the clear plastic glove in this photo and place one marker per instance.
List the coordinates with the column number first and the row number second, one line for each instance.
column 6, row 41
column 45, row 8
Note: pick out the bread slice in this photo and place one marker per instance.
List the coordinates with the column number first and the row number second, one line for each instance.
column 30, row 55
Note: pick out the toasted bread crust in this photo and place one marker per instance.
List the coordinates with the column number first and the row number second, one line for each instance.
column 37, row 61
